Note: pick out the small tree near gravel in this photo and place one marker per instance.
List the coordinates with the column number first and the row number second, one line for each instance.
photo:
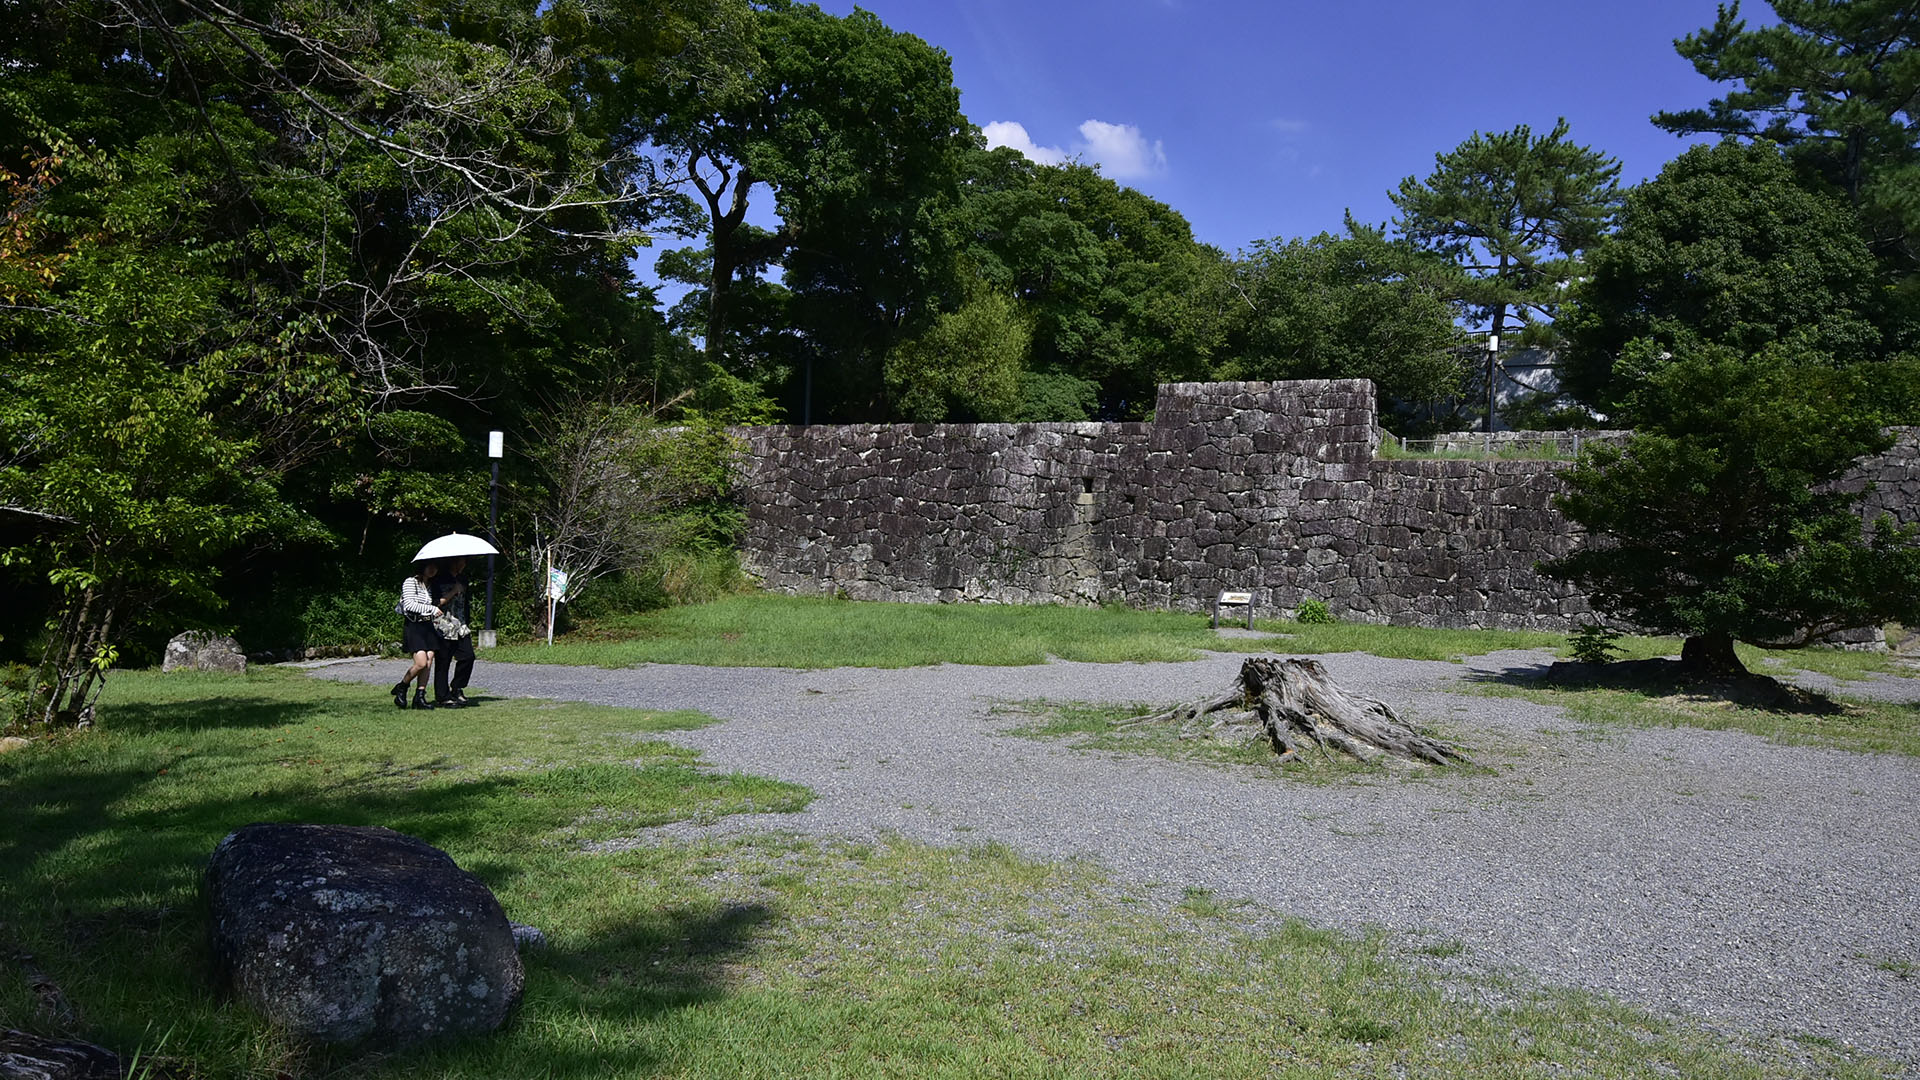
column 618, row 488
column 1721, row 520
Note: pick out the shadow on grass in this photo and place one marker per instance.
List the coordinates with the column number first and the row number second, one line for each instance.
column 99, row 880
column 1660, row 678
column 211, row 713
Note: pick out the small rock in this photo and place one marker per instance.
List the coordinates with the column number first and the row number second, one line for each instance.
column 198, row 650
column 10, row 743
column 528, row 937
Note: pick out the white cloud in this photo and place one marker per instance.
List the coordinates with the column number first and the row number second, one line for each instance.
column 1122, row 149
column 1009, row 133
column 1123, row 153
column 1287, row 125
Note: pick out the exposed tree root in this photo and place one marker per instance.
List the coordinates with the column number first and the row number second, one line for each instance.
column 1295, row 702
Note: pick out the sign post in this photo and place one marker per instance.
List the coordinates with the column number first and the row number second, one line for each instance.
column 1232, row 598
column 556, row 591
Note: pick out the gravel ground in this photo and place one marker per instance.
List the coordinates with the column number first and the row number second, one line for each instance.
column 1714, row 875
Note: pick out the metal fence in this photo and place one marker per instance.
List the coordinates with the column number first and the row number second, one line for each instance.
column 1515, row 444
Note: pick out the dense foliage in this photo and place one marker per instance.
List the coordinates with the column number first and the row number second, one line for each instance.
column 1724, row 247
column 1835, row 83
column 1752, row 319
column 1721, row 521
column 1356, row 305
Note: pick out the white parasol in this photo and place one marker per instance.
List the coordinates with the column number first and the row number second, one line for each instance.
column 454, row 545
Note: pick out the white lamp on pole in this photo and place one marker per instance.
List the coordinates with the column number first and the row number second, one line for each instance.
column 496, row 449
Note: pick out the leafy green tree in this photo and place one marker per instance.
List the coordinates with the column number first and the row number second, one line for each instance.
column 125, row 467
column 1835, row 82
column 853, row 129
column 1724, row 247
column 1719, row 519
column 244, row 236
column 1350, row 306
column 966, row 367
column 1515, row 211
column 1119, row 295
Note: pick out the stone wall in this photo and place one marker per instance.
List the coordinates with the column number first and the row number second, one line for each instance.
column 1273, row 487
column 1895, row 476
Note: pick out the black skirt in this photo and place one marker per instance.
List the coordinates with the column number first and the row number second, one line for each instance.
column 420, row 636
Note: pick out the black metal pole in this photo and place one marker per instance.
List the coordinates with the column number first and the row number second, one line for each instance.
column 493, row 537
column 1491, row 353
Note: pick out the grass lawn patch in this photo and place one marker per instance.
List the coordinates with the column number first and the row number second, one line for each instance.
column 894, row 959
column 108, row 830
column 770, row 630
column 1400, row 642
column 751, row 956
column 1866, row 726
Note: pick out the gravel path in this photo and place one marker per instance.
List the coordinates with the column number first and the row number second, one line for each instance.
column 1711, row 874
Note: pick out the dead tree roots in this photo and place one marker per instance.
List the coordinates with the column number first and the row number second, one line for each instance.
column 1295, row 703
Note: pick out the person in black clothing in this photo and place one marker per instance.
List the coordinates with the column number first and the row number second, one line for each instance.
column 421, row 640
column 449, row 588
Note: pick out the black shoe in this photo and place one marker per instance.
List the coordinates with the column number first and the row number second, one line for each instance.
column 459, row 698
column 449, row 703
column 420, row 700
column 400, row 694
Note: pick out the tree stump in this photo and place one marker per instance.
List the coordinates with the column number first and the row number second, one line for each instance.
column 1295, row 702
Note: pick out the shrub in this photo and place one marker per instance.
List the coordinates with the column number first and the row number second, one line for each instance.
column 1313, row 613
column 1593, row 644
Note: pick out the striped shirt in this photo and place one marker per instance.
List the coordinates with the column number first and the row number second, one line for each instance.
column 415, row 601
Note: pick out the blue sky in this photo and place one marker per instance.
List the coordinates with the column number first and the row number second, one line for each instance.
column 1270, row 119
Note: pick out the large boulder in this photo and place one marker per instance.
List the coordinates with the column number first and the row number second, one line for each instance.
column 198, row 650
column 338, row 933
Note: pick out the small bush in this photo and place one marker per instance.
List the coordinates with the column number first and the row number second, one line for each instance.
column 1593, row 644
column 699, row 575
column 1313, row 613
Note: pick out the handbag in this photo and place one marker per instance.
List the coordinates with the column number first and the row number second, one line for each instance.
column 451, row 627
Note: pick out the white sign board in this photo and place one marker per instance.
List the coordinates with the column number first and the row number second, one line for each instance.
column 556, row 584
column 1236, row 598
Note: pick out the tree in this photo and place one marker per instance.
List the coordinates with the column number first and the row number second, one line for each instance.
column 1835, row 82
column 1720, row 521
column 1353, row 306
column 614, row 486
column 966, row 367
column 125, row 465
column 853, row 128
column 1515, row 212
column 1724, row 247
column 236, row 238
column 1119, row 295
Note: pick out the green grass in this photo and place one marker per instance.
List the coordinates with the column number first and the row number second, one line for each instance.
column 1864, row 726
column 754, row 956
column 768, row 630
column 1400, row 642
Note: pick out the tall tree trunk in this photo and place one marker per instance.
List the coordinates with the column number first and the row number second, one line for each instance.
column 725, row 246
column 1711, row 654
